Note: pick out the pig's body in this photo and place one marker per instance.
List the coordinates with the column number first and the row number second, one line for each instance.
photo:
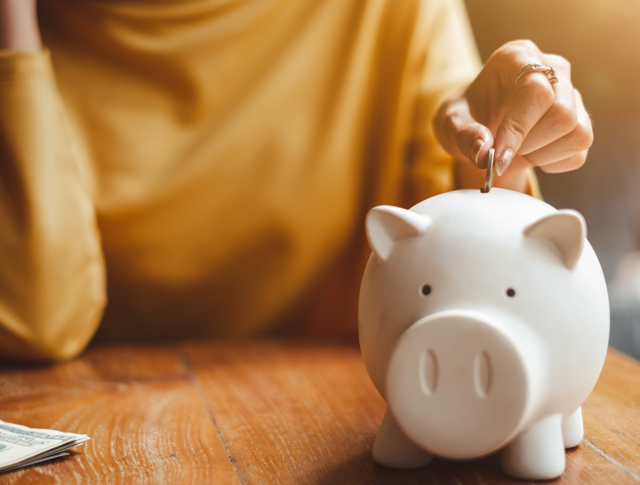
column 484, row 324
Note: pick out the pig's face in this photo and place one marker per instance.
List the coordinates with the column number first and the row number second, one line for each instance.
column 482, row 311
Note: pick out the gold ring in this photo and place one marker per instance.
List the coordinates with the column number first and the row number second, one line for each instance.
column 550, row 72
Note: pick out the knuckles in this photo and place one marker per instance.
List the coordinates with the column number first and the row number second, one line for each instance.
column 521, row 45
column 513, row 52
column 559, row 63
column 558, row 60
column 540, row 87
column 565, row 118
column 582, row 137
column 583, row 132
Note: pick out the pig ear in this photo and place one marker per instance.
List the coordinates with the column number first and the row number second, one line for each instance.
column 387, row 225
column 566, row 230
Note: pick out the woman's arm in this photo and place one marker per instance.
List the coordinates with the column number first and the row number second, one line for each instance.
column 52, row 277
column 19, row 26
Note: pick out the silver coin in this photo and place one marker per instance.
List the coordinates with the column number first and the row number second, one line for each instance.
column 488, row 180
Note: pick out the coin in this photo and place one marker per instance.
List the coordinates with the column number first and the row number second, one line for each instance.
column 488, row 180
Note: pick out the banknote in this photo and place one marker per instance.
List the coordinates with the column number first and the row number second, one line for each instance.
column 21, row 446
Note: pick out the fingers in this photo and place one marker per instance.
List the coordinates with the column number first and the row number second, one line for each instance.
column 575, row 142
column 562, row 117
column 533, row 97
column 572, row 163
column 461, row 135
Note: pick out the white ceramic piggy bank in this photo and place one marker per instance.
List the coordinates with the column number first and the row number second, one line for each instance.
column 484, row 323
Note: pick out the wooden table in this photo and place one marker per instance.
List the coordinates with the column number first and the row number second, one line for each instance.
column 264, row 412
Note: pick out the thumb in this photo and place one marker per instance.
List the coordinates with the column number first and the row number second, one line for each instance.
column 461, row 135
column 474, row 140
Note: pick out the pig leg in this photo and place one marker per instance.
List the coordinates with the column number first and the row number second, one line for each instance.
column 393, row 449
column 573, row 430
column 538, row 453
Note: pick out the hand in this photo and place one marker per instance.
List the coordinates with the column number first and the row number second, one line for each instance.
column 531, row 122
column 19, row 26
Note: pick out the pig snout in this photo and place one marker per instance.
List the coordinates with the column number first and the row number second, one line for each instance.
column 459, row 384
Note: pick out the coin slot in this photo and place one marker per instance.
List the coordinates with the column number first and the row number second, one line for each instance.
column 428, row 372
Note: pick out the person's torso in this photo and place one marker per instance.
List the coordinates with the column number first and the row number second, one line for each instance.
column 230, row 146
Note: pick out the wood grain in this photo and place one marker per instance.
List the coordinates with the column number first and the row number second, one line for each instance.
column 612, row 412
column 293, row 413
column 270, row 412
column 147, row 420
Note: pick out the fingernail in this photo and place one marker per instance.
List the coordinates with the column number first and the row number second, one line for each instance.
column 475, row 150
column 504, row 161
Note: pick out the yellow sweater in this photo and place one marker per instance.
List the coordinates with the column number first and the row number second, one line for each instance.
column 205, row 165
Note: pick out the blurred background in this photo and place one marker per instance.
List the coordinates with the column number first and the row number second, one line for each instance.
column 601, row 39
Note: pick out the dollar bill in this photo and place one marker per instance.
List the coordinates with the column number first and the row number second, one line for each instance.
column 21, row 446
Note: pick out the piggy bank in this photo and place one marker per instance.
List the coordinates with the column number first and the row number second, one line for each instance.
column 484, row 324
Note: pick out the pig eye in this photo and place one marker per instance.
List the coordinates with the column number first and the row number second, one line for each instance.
column 511, row 292
column 426, row 289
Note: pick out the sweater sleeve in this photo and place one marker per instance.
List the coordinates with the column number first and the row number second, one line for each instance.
column 52, row 276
